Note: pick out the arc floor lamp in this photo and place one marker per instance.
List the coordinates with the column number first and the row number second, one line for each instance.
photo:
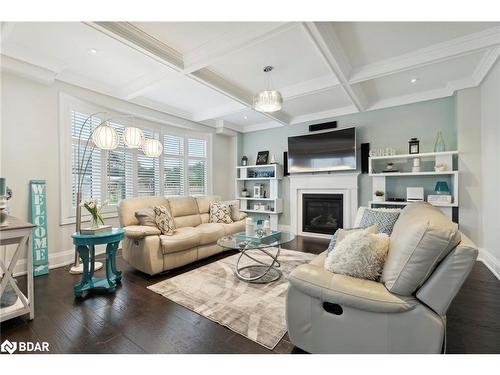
column 104, row 137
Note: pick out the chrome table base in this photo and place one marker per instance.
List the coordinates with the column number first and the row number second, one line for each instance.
column 262, row 272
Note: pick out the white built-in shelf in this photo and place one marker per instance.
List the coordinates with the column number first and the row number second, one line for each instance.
column 255, row 178
column 256, row 199
column 257, row 166
column 392, row 203
column 428, row 173
column 260, row 211
column 412, row 156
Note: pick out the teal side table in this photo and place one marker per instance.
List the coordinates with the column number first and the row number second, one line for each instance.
column 85, row 244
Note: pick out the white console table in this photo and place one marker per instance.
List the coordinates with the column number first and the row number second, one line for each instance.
column 17, row 232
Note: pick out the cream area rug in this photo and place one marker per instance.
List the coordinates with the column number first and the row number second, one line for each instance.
column 256, row 311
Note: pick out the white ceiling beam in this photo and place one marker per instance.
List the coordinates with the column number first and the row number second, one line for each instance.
column 220, row 111
column 224, row 128
column 144, row 43
column 438, row 52
column 247, row 35
column 486, row 63
column 323, row 115
column 326, row 41
column 312, row 86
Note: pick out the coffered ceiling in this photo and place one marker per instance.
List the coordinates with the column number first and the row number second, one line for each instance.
column 207, row 72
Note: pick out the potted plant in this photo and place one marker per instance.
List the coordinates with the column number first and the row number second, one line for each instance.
column 95, row 210
column 378, row 196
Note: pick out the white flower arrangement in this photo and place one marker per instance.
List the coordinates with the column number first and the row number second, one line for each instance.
column 95, row 210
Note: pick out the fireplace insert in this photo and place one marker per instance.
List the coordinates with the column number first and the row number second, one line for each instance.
column 322, row 213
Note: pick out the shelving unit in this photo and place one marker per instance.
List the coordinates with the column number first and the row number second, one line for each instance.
column 273, row 203
column 404, row 163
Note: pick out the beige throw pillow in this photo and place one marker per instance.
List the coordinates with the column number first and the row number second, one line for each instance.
column 235, row 209
column 164, row 220
column 146, row 217
column 220, row 212
column 360, row 254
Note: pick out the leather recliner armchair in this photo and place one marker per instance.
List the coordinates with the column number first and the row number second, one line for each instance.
column 428, row 261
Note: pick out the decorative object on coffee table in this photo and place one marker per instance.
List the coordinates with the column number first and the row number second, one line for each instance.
column 262, row 157
column 85, row 244
column 260, row 271
column 413, row 146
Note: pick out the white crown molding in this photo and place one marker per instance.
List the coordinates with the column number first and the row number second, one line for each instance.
column 438, row 52
column 326, row 41
column 323, row 115
column 27, row 70
column 486, row 63
column 261, row 126
column 224, row 128
column 135, row 38
column 246, row 36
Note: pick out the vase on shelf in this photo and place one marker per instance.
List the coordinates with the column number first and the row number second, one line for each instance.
column 439, row 146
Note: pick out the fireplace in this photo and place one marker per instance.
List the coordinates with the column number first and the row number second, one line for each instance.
column 322, row 213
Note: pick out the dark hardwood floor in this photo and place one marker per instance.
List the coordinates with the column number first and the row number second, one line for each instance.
column 136, row 320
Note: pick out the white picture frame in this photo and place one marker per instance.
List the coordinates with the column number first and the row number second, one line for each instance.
column 257, row 191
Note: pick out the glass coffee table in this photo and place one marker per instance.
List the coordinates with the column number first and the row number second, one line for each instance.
column 248, row 267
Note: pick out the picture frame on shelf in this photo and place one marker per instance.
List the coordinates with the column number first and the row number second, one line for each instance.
column 262, row 158
column 258, row 191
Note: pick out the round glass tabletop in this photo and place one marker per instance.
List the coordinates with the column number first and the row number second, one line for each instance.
column 241, row 241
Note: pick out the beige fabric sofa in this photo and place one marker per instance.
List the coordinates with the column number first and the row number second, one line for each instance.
column 428, row 261
column 195, row 238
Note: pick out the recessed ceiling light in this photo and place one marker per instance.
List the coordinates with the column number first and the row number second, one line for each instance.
column 92, row 51
column 245, row 117
column 413, row 80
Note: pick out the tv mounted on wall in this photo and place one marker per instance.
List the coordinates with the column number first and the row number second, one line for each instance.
column 323, row 152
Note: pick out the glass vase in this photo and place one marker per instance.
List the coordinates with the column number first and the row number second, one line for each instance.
column 94, row 222
column 439, row 145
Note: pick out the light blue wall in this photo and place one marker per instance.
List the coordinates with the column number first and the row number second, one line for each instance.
column 391, row 127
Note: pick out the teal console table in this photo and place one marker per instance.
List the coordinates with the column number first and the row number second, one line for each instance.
column 85, row 245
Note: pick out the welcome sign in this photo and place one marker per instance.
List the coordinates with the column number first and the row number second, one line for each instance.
column 39, row 218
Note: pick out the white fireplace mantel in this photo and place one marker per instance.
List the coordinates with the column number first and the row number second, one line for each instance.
column 334, row 183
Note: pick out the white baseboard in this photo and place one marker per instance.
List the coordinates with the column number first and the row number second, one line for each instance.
column 56, row 260
column 490, row 261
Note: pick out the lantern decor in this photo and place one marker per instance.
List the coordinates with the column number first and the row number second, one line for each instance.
column 413, row 146
column 152, row 148
column 104, row 137
column 133, row 137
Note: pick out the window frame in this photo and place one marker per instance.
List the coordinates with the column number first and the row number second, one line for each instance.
column 67, row 104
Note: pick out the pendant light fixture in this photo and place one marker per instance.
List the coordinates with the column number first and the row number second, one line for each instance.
column 152, row 148
column 268, row 100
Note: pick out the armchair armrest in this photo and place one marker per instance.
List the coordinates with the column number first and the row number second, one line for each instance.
column 367, row 295
column 137, row 232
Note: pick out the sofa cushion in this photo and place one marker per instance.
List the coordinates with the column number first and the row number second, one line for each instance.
column 342, row 233
column 421, row 238
column 361, row 212
column 384, row 219
column 236, row 227
column 183, row 239
column 210, row 232
column 164, row 220
column 146, row 217
column 183, row 206
column 220, row 212
column 128, row 207
column 204, row 203
column 361, row 254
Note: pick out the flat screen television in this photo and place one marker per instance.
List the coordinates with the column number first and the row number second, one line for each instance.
column 323, row 152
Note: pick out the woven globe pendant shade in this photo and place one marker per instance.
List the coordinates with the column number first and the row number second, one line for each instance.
column 268, row 101
column 133, row 137
column 152, row 148
column 105, row 137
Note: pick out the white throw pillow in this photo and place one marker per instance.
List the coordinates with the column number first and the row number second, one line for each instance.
column 359, row 254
